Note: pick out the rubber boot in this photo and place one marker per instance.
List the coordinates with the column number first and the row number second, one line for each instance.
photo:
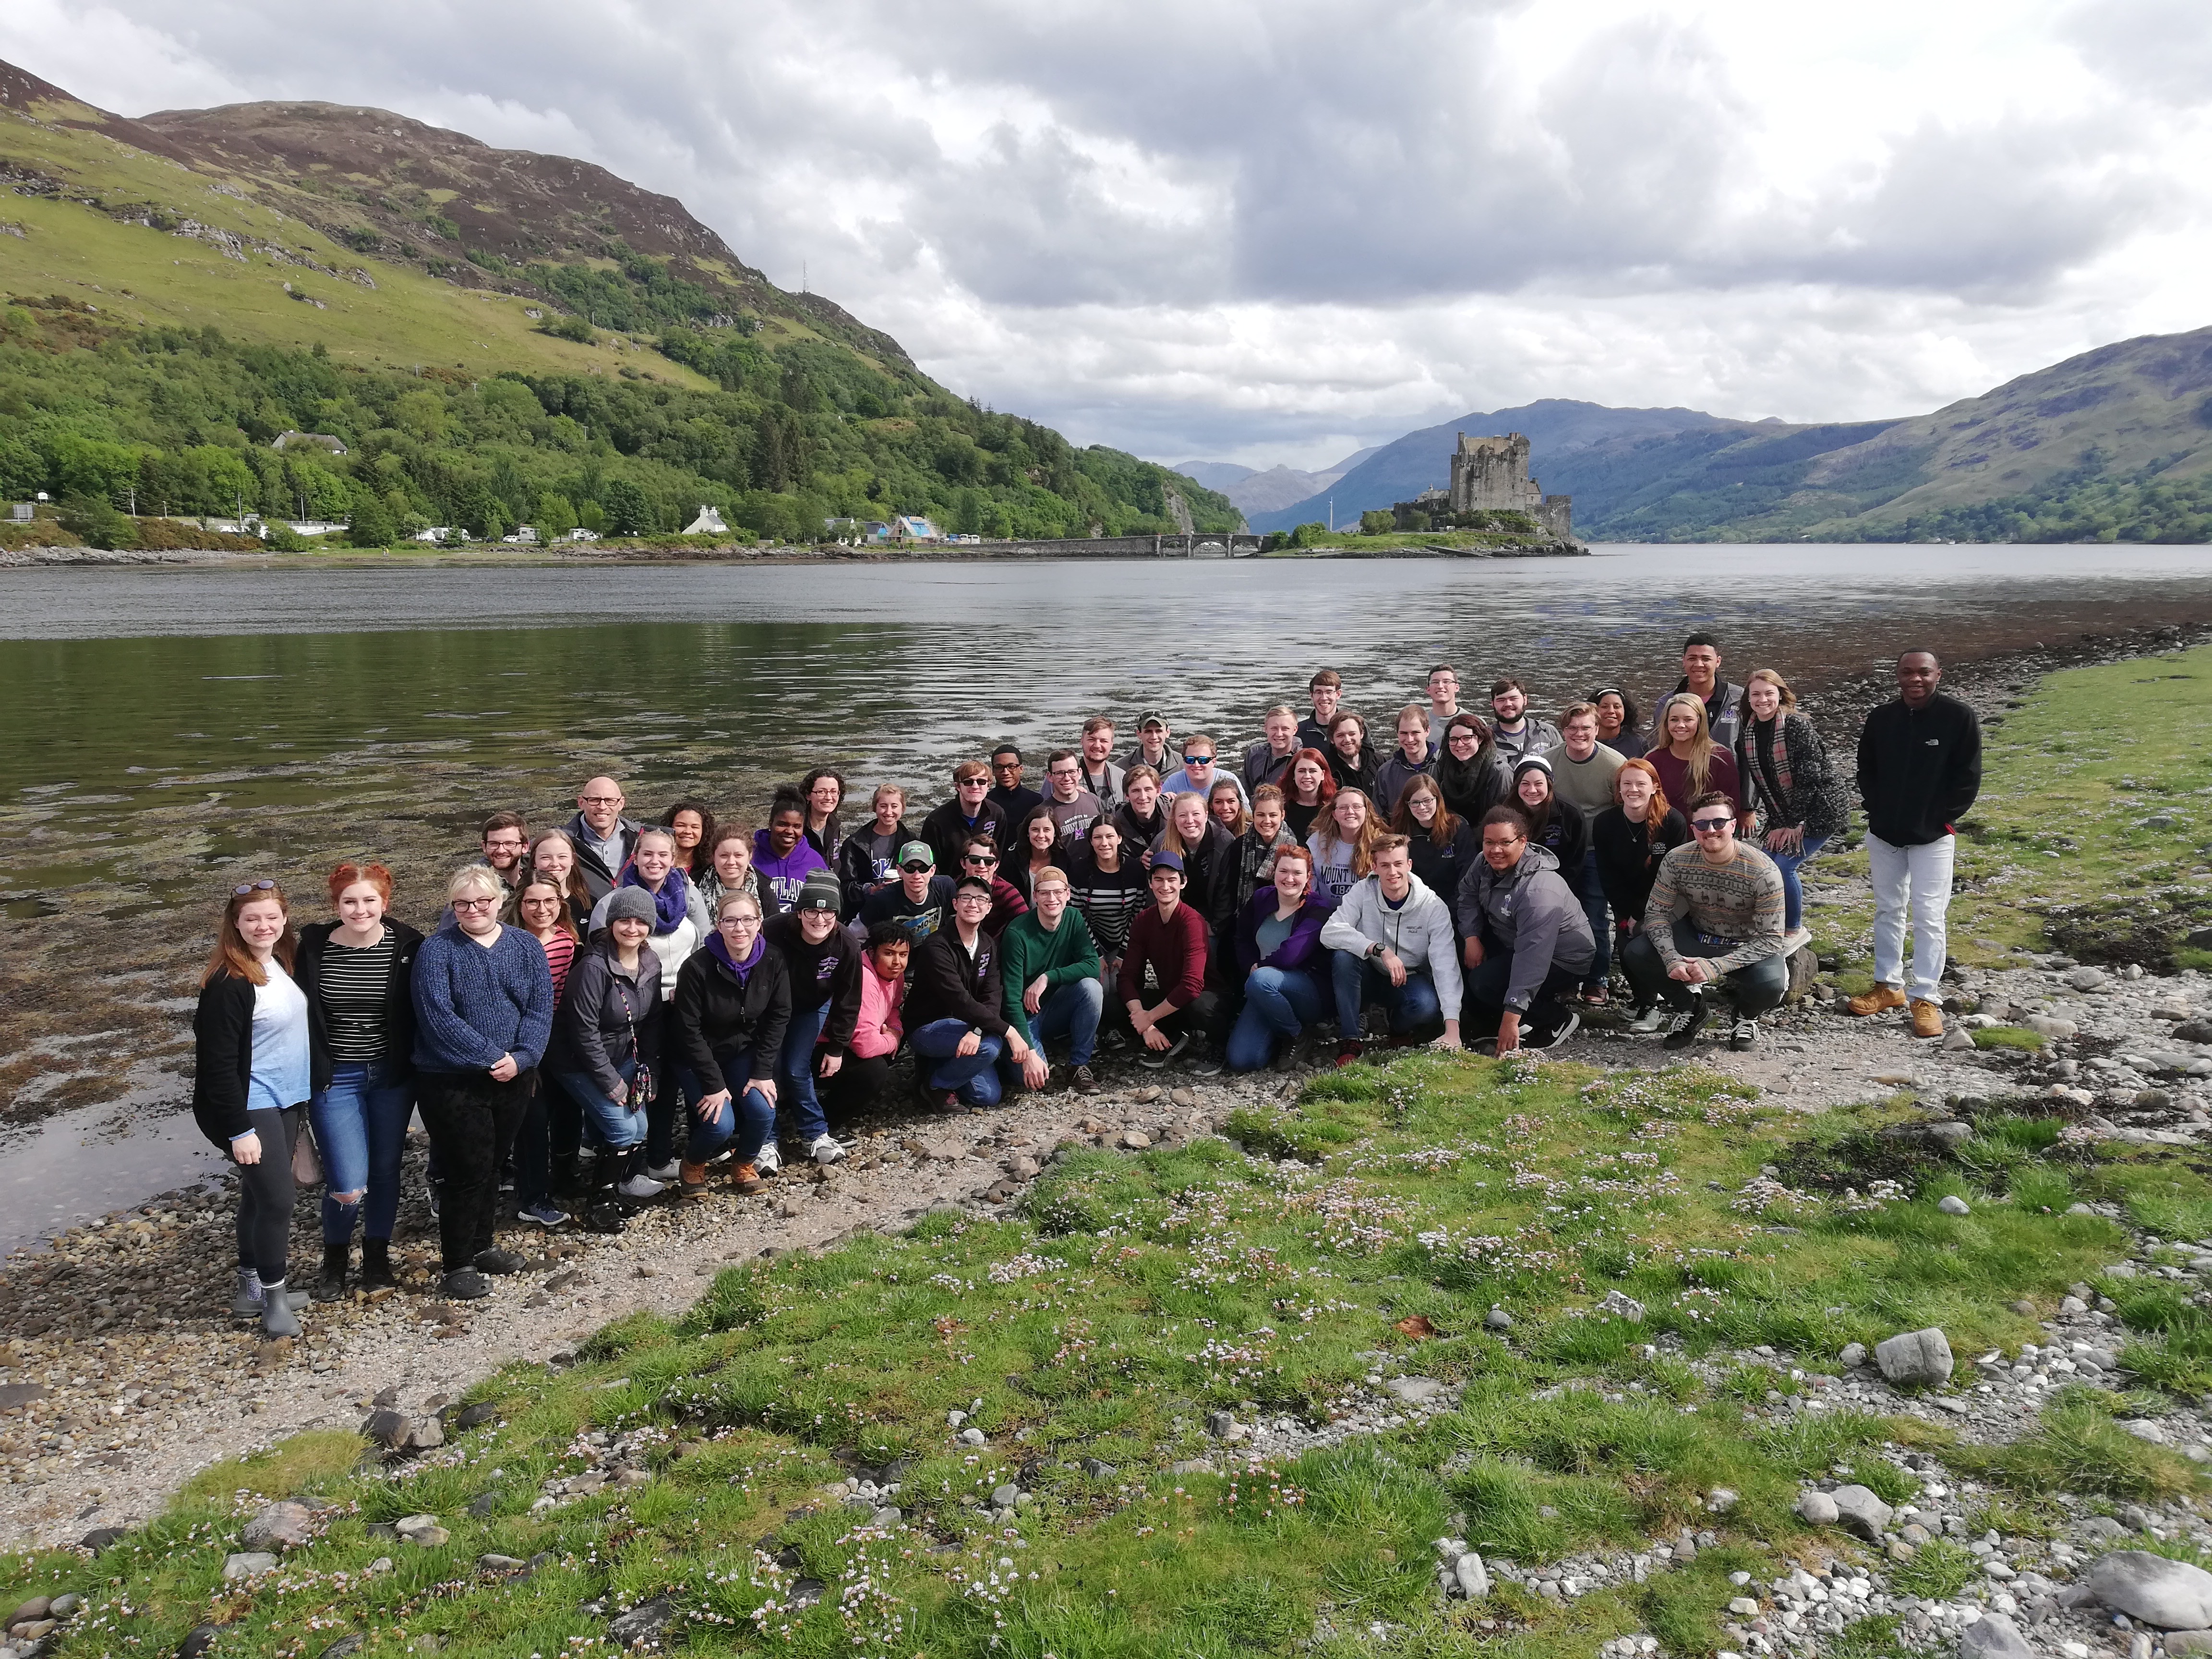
column 331, row 1286
column 376, row 1265
column 277, row 1318
column 568, row 1180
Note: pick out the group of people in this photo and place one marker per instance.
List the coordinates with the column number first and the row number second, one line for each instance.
column 608, row 981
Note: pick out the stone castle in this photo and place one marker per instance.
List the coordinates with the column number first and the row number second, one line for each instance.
column 1491, row 475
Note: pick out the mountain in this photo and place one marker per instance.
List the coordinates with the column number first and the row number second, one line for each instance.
column 152, row 267
column 1256, row 492
column 2115, row 444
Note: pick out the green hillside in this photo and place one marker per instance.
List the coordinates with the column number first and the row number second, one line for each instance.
column 494, row 338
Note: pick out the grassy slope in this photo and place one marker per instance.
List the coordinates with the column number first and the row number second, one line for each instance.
column 1133, row 1294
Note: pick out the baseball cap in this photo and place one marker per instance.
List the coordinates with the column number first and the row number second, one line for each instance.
column 1165, row 859
column 819, row 891
column 1155, row 718
column 917, row 852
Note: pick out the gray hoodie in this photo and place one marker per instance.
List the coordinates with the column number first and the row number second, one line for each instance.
column 1530, row 911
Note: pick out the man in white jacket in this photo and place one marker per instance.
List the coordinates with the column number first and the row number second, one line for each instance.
column 1391, row 942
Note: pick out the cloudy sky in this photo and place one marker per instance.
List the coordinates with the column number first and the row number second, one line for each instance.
column 1234, row 230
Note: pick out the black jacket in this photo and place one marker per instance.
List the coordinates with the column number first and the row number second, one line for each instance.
column 1567, row 835
column 1919, row 770
column 606, row 1016
column 947, row 830
column 856, row 863
column 715, row 1014
column 1628, row 857
column 598, row 877
column 947, row 985
column 1443, row 868
column 829, row 972
column 222, row 1057
column 398, row 1000
column 1209, row 878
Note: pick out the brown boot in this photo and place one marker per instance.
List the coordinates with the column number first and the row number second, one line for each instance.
column 745, row 1181
column 1876, row 1001
column 691, row 1181
column 1927, row 1018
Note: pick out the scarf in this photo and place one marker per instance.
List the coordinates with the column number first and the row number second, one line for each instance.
column 1461, row 781
column 671, row 904
column 720, row 948
column 1771, row 752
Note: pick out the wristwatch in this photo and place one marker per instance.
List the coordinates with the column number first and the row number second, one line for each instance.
column 1374, row 950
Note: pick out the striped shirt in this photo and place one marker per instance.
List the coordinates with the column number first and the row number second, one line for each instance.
column 1108, row 900
column 560, row 953
column 355, row 983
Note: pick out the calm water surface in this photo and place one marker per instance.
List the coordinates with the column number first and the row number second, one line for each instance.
column 168, row 730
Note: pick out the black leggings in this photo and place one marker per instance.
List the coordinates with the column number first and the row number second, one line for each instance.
column 859, row 1083
column 472, row 1122
column 265, row 1192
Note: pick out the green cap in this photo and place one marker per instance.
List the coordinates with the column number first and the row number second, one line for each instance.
column 917, row 850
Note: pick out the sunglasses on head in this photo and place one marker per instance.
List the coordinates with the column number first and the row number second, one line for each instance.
column 262, row 886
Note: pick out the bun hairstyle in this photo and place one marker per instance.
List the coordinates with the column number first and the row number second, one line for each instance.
column 348, row 875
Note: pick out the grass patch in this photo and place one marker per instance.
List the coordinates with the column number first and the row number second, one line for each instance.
column 2008, row 1037
column 1939, row 1568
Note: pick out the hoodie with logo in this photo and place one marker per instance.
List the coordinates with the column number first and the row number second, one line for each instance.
column 1530, row 911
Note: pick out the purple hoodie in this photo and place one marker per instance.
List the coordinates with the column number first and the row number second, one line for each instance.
column 1300, row 949
column 782, row 878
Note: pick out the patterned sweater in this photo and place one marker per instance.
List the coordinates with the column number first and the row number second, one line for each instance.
column 1740, row 900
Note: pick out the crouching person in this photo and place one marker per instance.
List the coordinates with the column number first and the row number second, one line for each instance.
column 1393, row 943
column 876, row 1032
column 956, row 1013
column 1528, row 943
column 1714, row 921
column 1049, row 973
column 732, row 1010
column 1169, row 940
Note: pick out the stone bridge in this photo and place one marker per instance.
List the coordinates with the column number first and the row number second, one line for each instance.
column 1177, row 545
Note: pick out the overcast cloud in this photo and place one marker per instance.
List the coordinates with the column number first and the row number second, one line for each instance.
column 1277, row 231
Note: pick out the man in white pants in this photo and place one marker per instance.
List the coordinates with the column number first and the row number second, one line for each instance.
column 1920, row 768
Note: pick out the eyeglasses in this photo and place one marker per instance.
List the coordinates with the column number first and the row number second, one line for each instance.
column 264, row 886
column 474, row 905
column 1062, row 771
column 969, row 896
column 738, row 921
column 1006, row 766
column 600, row 801
column 1710, row 826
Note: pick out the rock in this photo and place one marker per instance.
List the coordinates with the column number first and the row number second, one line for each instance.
column 99, row 1538
column 2171, row 1595
column 1146, row 1096
column 1181, row 1097
column 197, row 1641
column 1099, row 1471
column 483, row 1503
column 1851, row 1355
column 345, row 1647
column 1473, row 1580
column 1219, row 1424
column 1915, row 1356
column 283, row 1526
column 247, row 1563
column 1023, row 1168
column 1413, row 1391
column 647, row 1619
column 1498, row 1320
column 1005, row 1496
column 888, row 1515
column 470, row 1416
column 2194, row 1031
column 1993, row 1635
column 1861, row 1512
column 65, row 1606
column 972, row 1436
column 1621, row 1306
column 2143, row 1429
column 955, row 1418
column 386, row 1427
column 2180, row 1641
column 1950, row 1132
column 2086, row 978
column 492, row 1561
column 1817, row 1509
column 30, row 1612
column 1958, row 1039
column 1952, row 1204
column 1133, row 1141
column 1720, row 1500
column 2058, row 1031
column 1743, row 1607
column 423, row 1530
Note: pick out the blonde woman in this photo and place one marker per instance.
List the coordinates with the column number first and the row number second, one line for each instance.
column 1685, row 756
column 1787, row 774
column 1343, row 844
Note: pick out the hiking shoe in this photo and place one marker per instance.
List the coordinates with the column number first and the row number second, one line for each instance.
column 642, row 1187
column 1346, row 1053
column 664, row 1173
column 277, row 1317
column 745, row 1180
column 464, row 1285
column 1649, row 1020
column 376, row 1265
column 769, row 1159
column 1876, row 1001
column 1081, row 1081
column 496, row 1260
column 543, row 1213
column 691, row 1181
column 826, row 1150
column 1927, row 1018
column 331, row 1285
column 1745, row 1035
column 430, row 1190
column 1569, row 1022
column 1204, row 1062
column 1683, row 1030
column 1154, row 1059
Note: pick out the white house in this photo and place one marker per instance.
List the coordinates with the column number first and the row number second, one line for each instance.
column 709, row 523
column 909, row 528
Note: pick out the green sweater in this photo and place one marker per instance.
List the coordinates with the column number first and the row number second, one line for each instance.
column 1063, row 956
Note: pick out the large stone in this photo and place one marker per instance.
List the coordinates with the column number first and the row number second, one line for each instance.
column 1950, row 1132
column 1817, row 1509
column 2172, row 1595
column 1621, row 1306
column 1853, row 1354
column 647, row 1619
column 1993, row 1635
column 423, row 1530
column 1862, row 1512
column 1413, row 1391
column 386, row 1427
column 2058, row 1031
column 283, row 1526
column 2180, row 1641
column 247, row 1563
column 2194, row 1031
column 1473, row 1581
column 1915, row 1356
column 1952, row 1204
column 1498, row 1320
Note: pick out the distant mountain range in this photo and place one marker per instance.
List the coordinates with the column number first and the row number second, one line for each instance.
column 2114, row 444
column 1253, row 491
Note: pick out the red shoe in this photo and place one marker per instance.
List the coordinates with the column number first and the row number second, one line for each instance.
column 1346, row 1053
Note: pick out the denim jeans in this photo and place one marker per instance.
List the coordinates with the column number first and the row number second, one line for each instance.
column 1358, row 982
column 1278, row 1002
column 1071, row 1011
column 796, row 1100
column 1793, row 897
column 1753, row 989
column 746, row 1120
column 606, row 1122
column 360, row 1127
column 973, row 1077
column 1594, row 908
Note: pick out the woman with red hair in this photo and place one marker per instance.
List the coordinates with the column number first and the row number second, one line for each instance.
column 1309, row 786
column 1629, row 837
column 354, row 972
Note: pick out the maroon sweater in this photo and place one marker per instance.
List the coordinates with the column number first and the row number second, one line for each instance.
column 1175, row 949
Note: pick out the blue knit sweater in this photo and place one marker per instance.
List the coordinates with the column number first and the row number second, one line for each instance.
column 472, row 1004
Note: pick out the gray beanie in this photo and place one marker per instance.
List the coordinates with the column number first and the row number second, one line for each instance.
column 630, row 904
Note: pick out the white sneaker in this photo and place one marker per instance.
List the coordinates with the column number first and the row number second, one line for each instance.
column 664, row 1173
column 642, row 1186
column 771, row 1161
column 1649, row 1020
column 826, row 1150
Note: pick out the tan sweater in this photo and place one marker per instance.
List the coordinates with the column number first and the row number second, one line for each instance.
column 1741, row 900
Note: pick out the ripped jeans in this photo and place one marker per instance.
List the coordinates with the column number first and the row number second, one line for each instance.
column 360, row 1128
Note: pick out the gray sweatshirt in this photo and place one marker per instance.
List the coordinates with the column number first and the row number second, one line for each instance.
column 1530, row 911
column 1418, row 931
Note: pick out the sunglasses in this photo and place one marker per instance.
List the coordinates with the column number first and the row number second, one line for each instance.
column 917, row 869
column 1198, row 760
column 263, row 886
column 980, row 858
column 1710, row 826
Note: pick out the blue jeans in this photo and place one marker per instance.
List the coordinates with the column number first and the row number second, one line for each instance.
column 1793, row 897
column 1594, row 908
column 361, row 1125
column 746, row 1120
column 1358, row 982
column 973, row 1077
column 794, row 1077
column 1278, row 1002
column 607, row 1122
column 1071, row 1011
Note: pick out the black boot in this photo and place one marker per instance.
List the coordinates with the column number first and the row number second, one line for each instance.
column 331, row 1286
column 568, row 1180
column 376, row 1265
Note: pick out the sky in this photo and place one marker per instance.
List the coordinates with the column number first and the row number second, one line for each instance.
column 1273, row 233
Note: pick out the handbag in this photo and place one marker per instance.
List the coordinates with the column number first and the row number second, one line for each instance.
column 306, row 1162
column 639, row 1094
